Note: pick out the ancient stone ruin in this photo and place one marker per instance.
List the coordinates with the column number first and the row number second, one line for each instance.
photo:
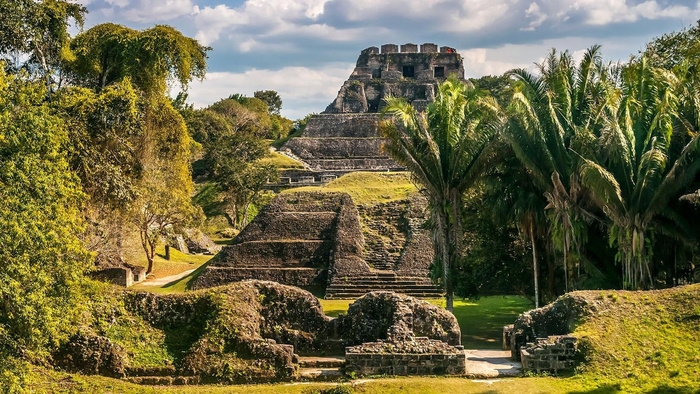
column 320, row 241
column 345, row 137
column 259, row 331
column 539, row 338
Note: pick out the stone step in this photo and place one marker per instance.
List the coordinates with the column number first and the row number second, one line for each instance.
column 320, row 374
column 372, row 282
column 382, row 285
column 353, row 295
column 321, row 362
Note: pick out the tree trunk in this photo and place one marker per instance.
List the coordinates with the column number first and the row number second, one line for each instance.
column 145, row 243
column 167, row 252
column 534, row 266
column 444, row 246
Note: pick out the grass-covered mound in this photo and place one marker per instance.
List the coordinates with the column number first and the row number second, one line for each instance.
column 645, row 341
column 228, row 334
column 368, row 188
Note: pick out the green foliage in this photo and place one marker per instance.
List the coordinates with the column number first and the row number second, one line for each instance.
column 38, row 29
column 42, row 258
column 239, row 175
column 105, row 129
column 109, row 53
column 445, row 151
column 499, row 87
column 271, row 98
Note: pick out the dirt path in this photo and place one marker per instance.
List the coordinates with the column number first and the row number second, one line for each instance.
column 160, row 282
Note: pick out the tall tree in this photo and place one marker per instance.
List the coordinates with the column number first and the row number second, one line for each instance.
column 151, row 58
column 548, row 113
column 42, row 260
column 445, row 149
column 271, row 98
column 39, row 30
column 158, row 148
column 647, row 158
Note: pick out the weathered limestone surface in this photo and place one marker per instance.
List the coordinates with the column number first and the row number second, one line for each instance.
column 299, row 239
column 396, row 320
column 539, row 337
column 323, row 240
column 555, row 353
column 557, row 318
column 345, row 136
column 415, row 356
column 396, row 317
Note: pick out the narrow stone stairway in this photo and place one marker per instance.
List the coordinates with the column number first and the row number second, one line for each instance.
column 357, row 286
column 321, row 368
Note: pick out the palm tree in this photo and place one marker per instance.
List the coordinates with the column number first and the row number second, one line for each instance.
column 548, row 113
column 513, row 198
column 445, row 149
column 647, row 157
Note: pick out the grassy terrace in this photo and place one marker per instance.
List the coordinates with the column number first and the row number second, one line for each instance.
column 367, row 188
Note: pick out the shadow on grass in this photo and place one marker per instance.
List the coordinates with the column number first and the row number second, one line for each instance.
column 616, row 388
column 187, row 280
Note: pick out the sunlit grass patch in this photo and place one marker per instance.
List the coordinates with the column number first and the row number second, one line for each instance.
column 368, row 188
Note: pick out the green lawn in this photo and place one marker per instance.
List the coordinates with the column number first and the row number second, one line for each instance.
column 280, row 161
column 481, row 320
column 368, row 188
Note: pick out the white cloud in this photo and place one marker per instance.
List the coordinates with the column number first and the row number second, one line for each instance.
column 603, row 12
column 304, row 89
column 118, row 3
column 154, row 11
column 480, row 61
column 535, row 13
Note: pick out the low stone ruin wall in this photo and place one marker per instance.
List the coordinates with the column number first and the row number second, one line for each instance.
column 416, row 356
column 557, row 318
column 555, row 353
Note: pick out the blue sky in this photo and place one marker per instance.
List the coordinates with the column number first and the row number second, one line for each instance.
column 305, row 49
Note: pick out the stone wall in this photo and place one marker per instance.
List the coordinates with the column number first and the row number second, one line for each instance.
column 415, row 356
column 555, row 353
column 396, row 317
column 557, row 318
column 336, row 148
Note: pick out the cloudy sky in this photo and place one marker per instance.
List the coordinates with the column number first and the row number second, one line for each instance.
column 305, row 49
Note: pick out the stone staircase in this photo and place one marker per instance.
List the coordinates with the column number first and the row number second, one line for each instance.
column 321, row 368
column 377, row 256
column 357, row 286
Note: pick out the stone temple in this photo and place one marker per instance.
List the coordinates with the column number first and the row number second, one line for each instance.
column 344, row 138
column 324, row 241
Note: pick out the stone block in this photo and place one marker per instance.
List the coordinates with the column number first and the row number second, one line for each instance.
column 391, row 75
column 409, row 48
column 370, row 51
column 390, row 48
column 507, row 334
column 428, row 48
column 425, row 75
column 120, row 276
